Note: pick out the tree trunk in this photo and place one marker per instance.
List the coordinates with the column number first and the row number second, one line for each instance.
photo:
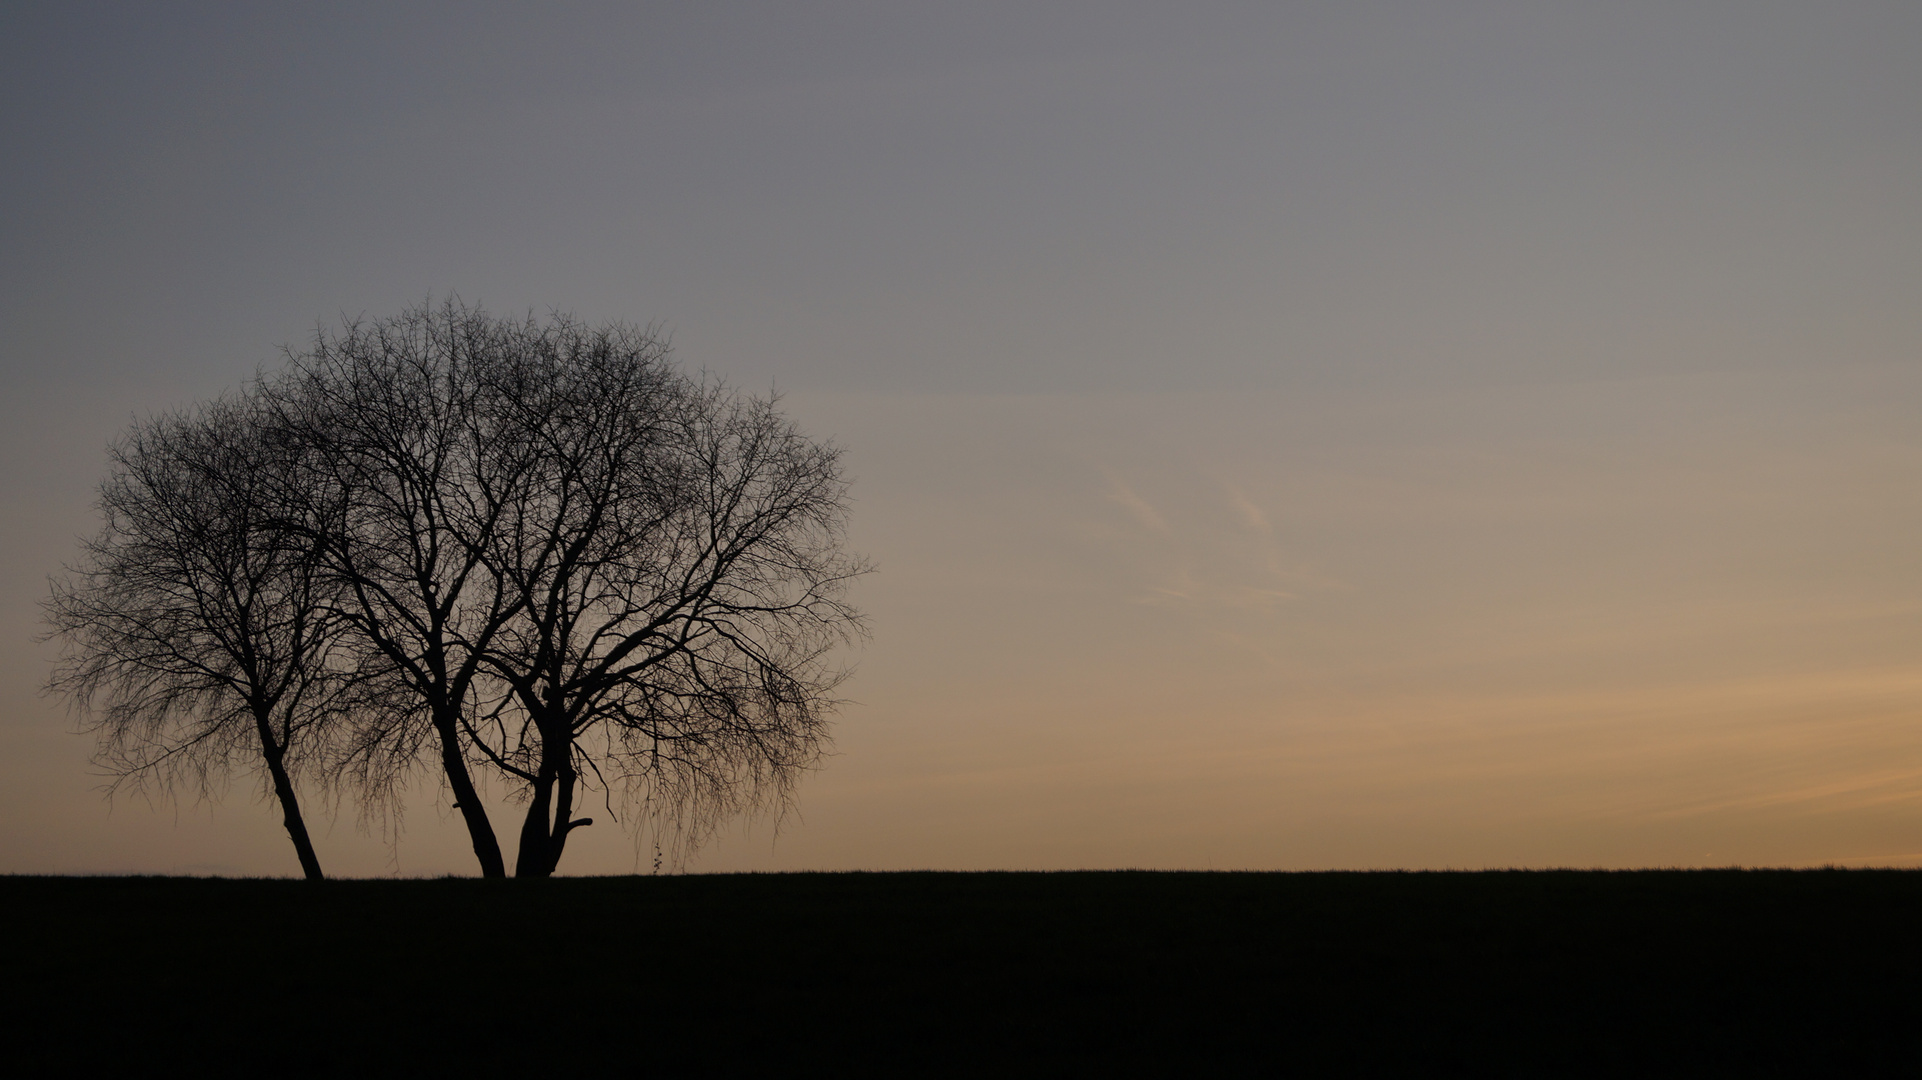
column 481, row 831
column 563, row 809
column 532, row 860
column 544, row 830
column 289, row 804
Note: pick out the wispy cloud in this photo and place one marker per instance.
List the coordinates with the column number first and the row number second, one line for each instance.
column 1200, row 551
column 1246, row 509
column 1140, row 508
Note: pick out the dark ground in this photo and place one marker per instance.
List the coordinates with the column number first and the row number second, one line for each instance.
column 1516, row 973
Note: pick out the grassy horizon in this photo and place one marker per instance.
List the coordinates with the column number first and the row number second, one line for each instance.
column 108, row 875
column 949, row 972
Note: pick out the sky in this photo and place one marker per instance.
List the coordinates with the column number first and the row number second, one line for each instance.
column 1297, row 436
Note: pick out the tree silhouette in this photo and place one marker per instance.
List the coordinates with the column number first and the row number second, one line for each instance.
column 399, row 484
column 677, row 558
column 530, row 548
column 197, row 627
column 571, row 564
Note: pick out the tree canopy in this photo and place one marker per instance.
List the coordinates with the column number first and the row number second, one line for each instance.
column 531, row 552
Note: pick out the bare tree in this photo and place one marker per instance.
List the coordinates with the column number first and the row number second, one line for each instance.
column 401, row 485
column 677, row 559
column 195, row 625
column 532, row 548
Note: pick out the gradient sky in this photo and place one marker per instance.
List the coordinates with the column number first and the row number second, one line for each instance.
column 1291, row 436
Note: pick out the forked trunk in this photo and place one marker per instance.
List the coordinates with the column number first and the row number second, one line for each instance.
column 544, row 830
column 532, row 860
column 563, row 824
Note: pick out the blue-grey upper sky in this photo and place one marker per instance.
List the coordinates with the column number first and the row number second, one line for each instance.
column 1425, row 394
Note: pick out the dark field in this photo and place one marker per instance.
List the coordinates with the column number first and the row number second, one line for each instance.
column 1530, row 973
